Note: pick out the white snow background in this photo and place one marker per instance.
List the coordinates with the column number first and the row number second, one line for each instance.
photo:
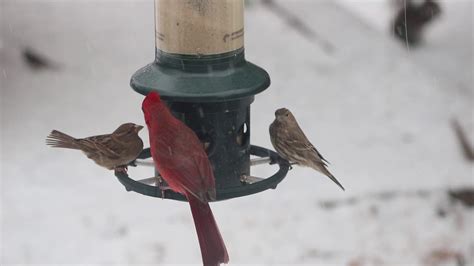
column 378, row 112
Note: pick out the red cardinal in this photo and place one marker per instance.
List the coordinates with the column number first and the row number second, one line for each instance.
column 181, row 160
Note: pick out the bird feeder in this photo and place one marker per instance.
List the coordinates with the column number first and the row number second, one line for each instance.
column 201, row 73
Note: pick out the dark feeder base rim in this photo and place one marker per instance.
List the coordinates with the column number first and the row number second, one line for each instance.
column 221, row 194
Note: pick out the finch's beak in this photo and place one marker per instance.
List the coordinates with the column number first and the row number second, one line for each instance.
column 138, row 128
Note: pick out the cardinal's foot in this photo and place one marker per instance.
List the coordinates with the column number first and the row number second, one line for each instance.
column 163, row 188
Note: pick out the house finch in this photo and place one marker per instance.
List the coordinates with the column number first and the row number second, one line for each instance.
column 291, row 143
column 112, row 151
column 182, row 162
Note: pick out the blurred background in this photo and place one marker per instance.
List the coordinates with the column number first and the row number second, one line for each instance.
column 393, row 113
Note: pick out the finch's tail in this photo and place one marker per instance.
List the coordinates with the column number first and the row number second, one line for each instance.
column 325, row 171
column 58, row 139
column 213, row 249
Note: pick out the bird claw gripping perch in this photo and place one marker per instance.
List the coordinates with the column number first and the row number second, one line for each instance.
column 280, row 160
column 162, row 185
column 159, row 180
column 121, row 169
column 248, row 179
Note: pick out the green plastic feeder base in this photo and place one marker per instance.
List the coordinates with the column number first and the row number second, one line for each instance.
column 222, row 194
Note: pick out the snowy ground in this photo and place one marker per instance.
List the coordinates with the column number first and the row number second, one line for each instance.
column 379, row 113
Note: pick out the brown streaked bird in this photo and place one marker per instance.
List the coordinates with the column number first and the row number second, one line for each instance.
column 112, row 151
column 291, row 143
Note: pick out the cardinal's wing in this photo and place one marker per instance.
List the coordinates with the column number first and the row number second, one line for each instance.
column 184, row 159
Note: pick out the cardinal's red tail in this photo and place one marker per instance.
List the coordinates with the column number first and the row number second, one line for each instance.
column 213, row 249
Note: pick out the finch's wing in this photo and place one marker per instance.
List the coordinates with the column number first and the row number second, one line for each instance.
column 326, row 162
column 102, row 145
column 300, row 143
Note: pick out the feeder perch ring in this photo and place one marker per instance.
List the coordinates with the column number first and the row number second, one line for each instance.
column 221, row 194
